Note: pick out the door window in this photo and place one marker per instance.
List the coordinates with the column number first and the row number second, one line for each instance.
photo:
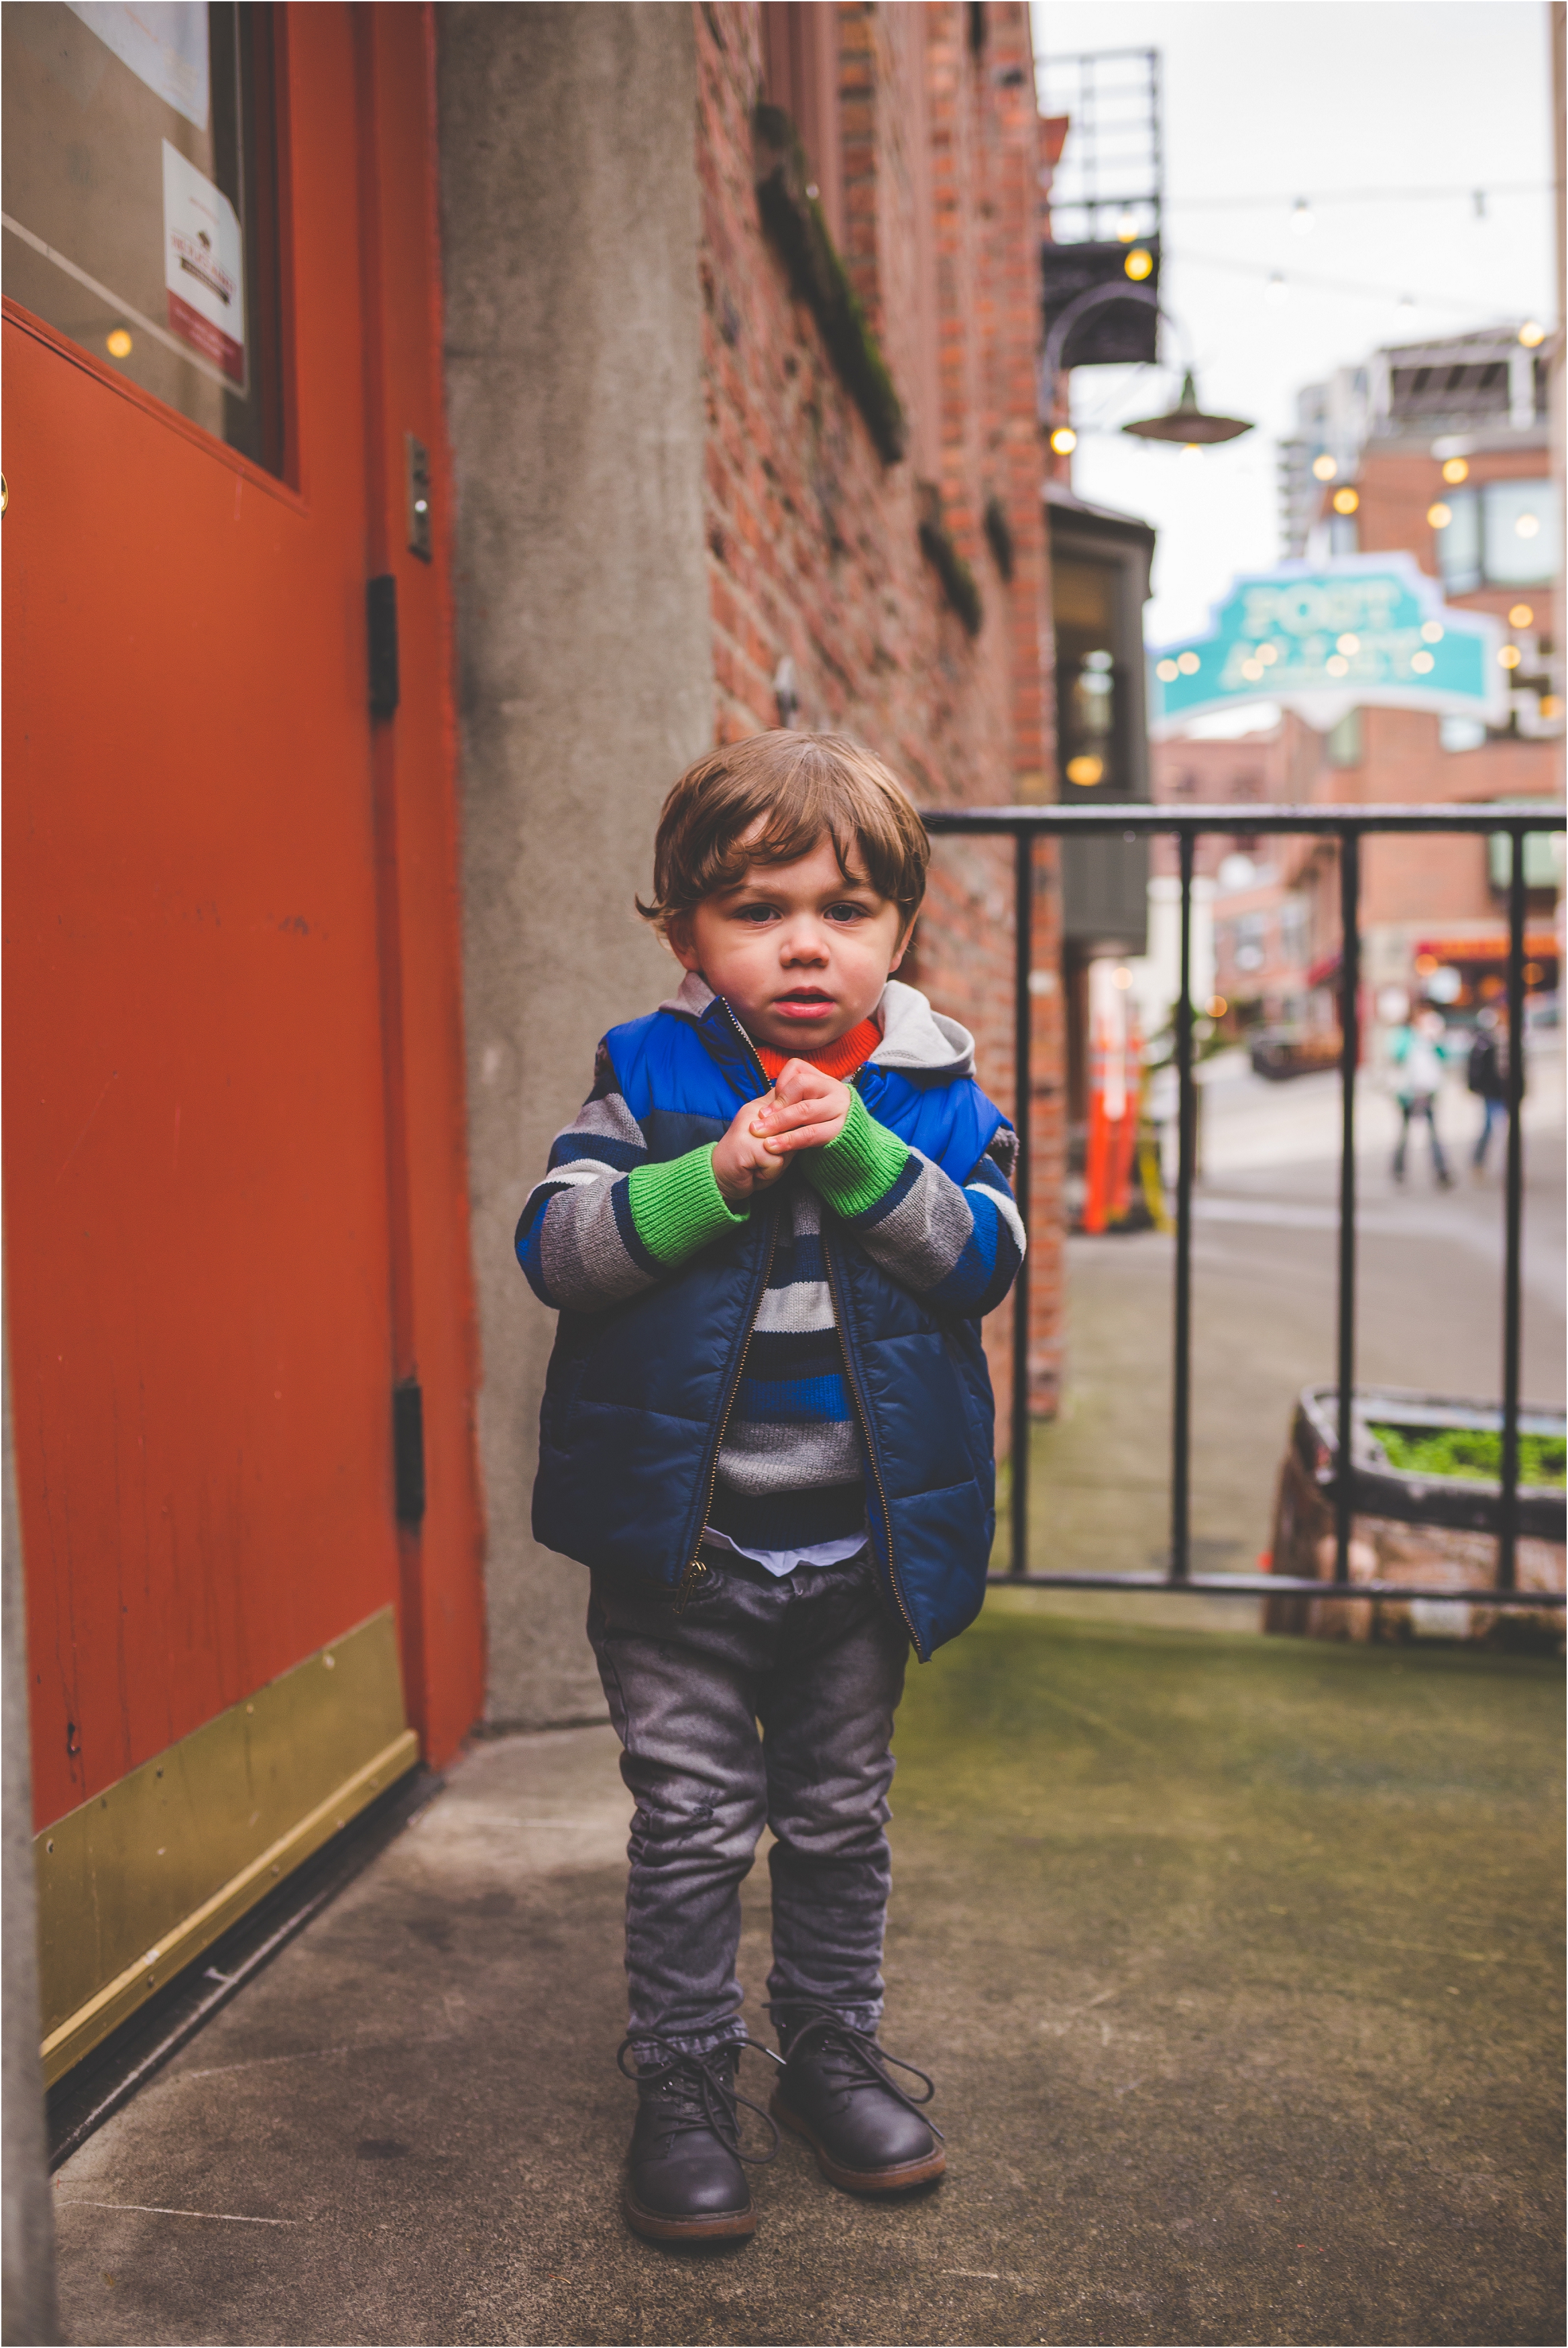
column 139, row 204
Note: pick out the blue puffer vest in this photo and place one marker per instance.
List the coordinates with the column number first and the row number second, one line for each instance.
column 637, row 1396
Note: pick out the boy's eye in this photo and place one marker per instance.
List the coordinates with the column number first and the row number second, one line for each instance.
column 756, row 914
column 847, row 914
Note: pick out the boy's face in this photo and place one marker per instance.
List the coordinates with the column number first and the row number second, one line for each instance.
column 800, row 954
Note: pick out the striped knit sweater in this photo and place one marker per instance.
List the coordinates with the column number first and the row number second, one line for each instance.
column 605, row 1222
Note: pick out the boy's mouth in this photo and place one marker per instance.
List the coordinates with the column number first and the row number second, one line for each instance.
column 804, row 1002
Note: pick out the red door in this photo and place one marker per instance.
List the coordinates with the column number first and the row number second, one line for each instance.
column 234, row 1193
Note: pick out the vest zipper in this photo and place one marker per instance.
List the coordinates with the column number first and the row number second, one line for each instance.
column 688, row 1579
column 865, row 1417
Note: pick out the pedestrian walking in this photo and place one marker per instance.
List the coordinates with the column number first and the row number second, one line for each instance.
column 1488, row 1075
column 770, row 1232
column 1417, row 1051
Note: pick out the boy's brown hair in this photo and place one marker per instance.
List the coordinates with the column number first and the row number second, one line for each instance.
column 769, row 799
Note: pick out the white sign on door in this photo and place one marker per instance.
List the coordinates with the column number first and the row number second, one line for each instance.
column 203, row 266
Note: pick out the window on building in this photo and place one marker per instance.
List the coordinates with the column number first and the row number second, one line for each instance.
column 1344, row 740
column 140, row 200
column 1460, row 733
column 1522, row 533
column 1503, row 534
column 1090, row 711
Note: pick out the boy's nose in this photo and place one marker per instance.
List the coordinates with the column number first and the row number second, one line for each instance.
column 804, row 941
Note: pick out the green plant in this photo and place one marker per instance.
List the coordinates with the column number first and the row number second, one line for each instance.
column 1472, row 1451
column 793, row 220
column 998, row 529
column 936, row 545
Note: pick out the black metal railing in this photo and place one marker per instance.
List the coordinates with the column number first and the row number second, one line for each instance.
column 1348, row 825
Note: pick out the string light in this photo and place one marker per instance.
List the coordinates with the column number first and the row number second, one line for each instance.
column 118, row 344
column 1522, row 616
column 1324, row 467
column 1064, row 439
column 1431, row 632
column 1346, row 500
column 1456, row 470
column 1139, row 264
column 1510, row 656
column 1439, row 516
column 1126, row 224
column 1532, row 334
column 1421, row 662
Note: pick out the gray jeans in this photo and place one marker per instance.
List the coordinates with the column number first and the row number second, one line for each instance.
column 816, row 1663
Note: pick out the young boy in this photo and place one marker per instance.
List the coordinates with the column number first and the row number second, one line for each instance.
column 770, row 1232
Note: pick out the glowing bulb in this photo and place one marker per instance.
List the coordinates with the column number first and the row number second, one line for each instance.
column 1439, row 516
column 1532, row 334
column 119, row 344
column 1522, row 616
column 1549, row 705
column 1431, row 632
column 1347, row 501
column 1338, row 667
column 1509, row 656
column 1421, row 662
column 1268, row 654
column 1527, row 525
column 1192, row 450
column 1218, row 1006
column 1139, row 264
column 1064, row 439
column 1456, row 470
column 1324, row 468
column 1301, row 219
column 1188, row 662
column 1167, row 672
column 1122, row 975
column 1085, row 772
column 1252, row 668
column 1126, row 224
column 1348, row 645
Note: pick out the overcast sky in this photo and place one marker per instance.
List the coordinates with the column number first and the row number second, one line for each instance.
column 1290, row 97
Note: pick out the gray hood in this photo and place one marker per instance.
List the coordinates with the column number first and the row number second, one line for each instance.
column 914, row 1036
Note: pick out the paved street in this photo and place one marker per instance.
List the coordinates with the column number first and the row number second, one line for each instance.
column 1264, row 1256
column 1235, row 1958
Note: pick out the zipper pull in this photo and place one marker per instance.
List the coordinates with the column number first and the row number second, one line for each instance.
column 696, row 1571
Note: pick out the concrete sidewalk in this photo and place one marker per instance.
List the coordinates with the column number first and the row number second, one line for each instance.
column 1236, row 1959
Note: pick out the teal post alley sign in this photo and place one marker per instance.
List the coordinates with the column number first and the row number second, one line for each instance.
column 1369, row 631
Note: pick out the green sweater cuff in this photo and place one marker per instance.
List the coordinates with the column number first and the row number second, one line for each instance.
column 861, row 1167
column 677, row 1206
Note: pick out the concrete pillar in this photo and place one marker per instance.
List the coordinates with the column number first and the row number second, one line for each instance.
column 28, row 2315
column 569, row 208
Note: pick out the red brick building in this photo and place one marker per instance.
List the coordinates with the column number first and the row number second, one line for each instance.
column 871, row 204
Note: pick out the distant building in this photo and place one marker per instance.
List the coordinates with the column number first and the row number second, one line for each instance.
column 1442, row 451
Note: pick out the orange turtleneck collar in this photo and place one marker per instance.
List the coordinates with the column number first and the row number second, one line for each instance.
column 840, row 1059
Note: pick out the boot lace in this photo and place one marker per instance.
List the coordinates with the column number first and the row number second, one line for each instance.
column 697, row 2092
column 851, row 2058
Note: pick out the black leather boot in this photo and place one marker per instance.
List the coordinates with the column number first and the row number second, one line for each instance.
column 867, row 2134
column 685, row 2181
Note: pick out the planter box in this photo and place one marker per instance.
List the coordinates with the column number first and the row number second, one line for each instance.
column 1433, row 1532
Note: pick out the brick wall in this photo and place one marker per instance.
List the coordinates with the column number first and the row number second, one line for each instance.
column 813, row 548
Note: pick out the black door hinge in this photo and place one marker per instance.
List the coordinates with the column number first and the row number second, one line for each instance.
column 381, row 617
column 408, row 1451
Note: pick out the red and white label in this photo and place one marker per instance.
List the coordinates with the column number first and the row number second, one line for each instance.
column 203, row 267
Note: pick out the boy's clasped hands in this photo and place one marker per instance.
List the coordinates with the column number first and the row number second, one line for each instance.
column 804, row 1110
